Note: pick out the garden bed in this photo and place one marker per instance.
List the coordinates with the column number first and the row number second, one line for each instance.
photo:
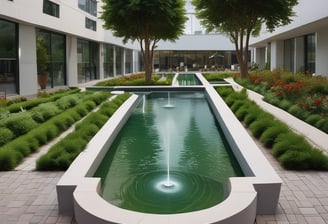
column 303, row 96
column 27, row 130
column 291, row 150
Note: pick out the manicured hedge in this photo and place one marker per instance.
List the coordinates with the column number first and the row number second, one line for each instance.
column 12, row 153
column 291, row 150
column 44, row 98
column 62, row 154
column 138, row 79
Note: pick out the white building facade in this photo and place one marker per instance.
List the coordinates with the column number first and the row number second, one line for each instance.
column 79, row 49
column 301, row 46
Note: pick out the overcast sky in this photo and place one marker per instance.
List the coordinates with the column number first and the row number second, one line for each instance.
column 192, row 24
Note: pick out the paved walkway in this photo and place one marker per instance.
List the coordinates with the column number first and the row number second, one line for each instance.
column 27, row 196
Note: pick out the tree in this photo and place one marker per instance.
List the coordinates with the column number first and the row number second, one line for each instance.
column 240, row 19
column 146, row 21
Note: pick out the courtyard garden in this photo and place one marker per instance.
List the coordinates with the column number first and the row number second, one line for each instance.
column 27, row 124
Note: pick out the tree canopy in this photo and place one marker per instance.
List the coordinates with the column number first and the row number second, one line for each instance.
column 240, row 19
column 145, row 21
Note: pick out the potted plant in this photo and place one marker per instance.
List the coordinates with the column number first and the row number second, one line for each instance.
column 42, row 60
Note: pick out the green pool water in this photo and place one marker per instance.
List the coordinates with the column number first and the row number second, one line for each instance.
column 188, row 80
column 170, row 157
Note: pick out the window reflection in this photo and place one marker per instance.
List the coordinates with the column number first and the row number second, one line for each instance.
column 8, row 57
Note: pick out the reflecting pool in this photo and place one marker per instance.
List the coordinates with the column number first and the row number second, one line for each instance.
column 168, row 160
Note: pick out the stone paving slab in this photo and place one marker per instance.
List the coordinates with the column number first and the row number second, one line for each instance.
column 303, row 197
column 28, row 197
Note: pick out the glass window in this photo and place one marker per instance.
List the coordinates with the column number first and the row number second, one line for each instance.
column 119, row 60
column 8, row 57
column 128, row 61
column 88, row 60
column 289, row 55
column 50, row 8
column 310, row 44
column 55, row 45
column 108, row 60
column 89, row 6
column 90, row 24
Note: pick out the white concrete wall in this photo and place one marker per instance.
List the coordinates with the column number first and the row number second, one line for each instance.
column 306, row 11
column 71, row 20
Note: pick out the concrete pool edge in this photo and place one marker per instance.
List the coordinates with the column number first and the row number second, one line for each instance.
column 256, row 194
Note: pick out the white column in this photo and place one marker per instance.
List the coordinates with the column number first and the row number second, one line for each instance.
column 28, row 80
column 321, row 53
column 114, row 61
column 101, row 61
column 299, row 55
column 277, row 54
column 71, row 60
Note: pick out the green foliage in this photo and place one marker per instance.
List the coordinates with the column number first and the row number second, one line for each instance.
column 30, row 142
column 313, row 119
column 164, row 19
column 304, row 160
column 270, row 135
column 152, row 21
column 287, row 142
column 301, row 95
column 242, row 112
column 20, row 123
column 137, row 79
column 236, row 105
column 298, row 112
column 240, row 19
column 67, row 102
column 5, row 135
column 98, row 97
column 45, row 111
column 322, row 125
column 224, row 91
column 9, row 159
column 260, row 125
column 14, row 107
column 216, row 76
column 62, row 154
column 291, row 149
column 251, row 117
column 42, row 57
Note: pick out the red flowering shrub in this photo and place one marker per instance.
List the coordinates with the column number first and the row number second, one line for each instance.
column 315, row 103
column 290, row 91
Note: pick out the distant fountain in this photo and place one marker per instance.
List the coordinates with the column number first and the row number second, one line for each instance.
column 168, row 105
column 143, row 103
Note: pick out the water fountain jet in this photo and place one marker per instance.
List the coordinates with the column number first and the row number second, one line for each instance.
column 169, row 105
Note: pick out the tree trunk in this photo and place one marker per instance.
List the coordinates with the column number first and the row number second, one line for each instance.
column 148, row 58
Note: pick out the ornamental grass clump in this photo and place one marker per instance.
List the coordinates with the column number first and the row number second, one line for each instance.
column 5, row 135
column 313, row 119
column 270, row 135
column 20, row 123
column 260, row 125
column 45, row 111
